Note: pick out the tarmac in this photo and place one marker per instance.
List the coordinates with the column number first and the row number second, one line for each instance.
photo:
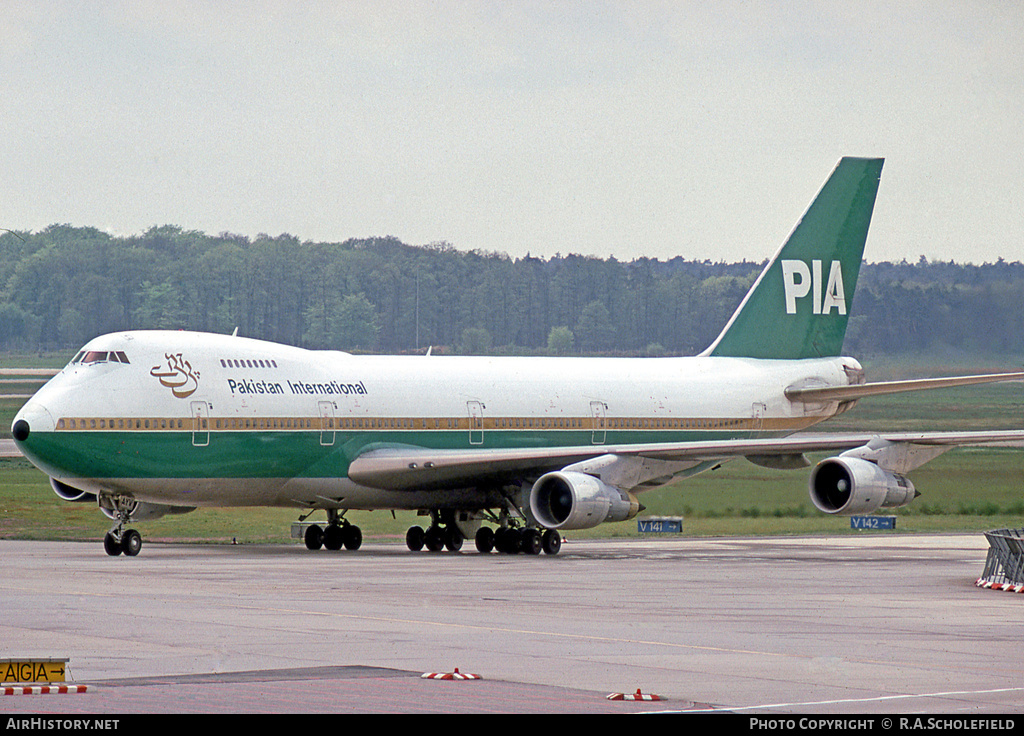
column 874, row 623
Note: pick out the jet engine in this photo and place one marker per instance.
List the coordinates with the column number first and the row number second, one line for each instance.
column 849, row 485
column 571, row 500
column 70, row 494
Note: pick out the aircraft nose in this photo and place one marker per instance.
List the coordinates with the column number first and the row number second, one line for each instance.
column 33, row 417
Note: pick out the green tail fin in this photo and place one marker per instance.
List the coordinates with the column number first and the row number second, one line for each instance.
column 799, row 305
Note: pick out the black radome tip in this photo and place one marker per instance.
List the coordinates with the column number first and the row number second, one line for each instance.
column 20, row 430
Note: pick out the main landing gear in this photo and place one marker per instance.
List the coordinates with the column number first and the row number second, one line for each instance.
column 337, row 534
column 506, row 538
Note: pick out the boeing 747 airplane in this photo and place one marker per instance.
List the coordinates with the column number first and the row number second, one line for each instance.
column 510, row 451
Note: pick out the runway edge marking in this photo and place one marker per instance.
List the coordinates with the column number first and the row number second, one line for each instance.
column 43, row 689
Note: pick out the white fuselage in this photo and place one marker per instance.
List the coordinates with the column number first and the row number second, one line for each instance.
column 194, row 419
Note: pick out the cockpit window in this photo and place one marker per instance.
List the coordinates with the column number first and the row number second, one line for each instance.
column 100, row 356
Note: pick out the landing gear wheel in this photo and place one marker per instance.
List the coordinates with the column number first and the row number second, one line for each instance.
column 530, row 542
column 333, row 537
column 501, row 539
column 415, row 538
column 314, row 537
column 111, row 545
column 434, row 539
column 131, row 543
column 511, row 541
column 484, row 539
column 352, row 537
column 552, row 542
column 453, row 538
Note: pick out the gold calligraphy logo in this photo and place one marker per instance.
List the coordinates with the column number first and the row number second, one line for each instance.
column 177, row 375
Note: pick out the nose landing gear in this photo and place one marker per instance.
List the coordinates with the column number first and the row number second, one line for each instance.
column 129, row 543
column 120, row 540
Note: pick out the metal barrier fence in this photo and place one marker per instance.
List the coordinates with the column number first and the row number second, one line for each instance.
column 1004, row 566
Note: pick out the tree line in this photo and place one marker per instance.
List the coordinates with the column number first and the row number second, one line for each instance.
column 61, row 286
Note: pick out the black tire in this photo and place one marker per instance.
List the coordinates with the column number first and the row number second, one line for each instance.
column 314, row 537
column 499, row 538
column 131, row 543
column 551, row 542
column 415, row 538
column 511, row 540
column 353, row 537
column 530, row 542
column 434, row 539
column 484, row 540
column 110, row 545
column 333, row 537
column 453, row 538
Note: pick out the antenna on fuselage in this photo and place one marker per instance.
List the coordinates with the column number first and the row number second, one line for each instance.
column 234, row 332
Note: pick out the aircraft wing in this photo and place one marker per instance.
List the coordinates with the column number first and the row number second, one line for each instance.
column 415, row 468
column 815, row 394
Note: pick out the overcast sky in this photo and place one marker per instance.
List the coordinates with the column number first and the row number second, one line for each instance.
column 694, row 129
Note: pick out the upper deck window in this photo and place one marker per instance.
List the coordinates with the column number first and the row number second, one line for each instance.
column 248, row 363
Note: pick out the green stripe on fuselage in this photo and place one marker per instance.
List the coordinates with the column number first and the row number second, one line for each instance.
column 292, row 454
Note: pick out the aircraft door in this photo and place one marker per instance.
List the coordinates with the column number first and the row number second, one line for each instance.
column 599, row 414
column 200, row 423
column 476, row 422
column 757, row 415
column 327, row 423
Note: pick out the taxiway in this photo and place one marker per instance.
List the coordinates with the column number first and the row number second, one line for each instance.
column 846, row 624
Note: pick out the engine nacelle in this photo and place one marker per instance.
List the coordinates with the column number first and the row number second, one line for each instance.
column 849, row 485
column 69, row 493
column 571, row 500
